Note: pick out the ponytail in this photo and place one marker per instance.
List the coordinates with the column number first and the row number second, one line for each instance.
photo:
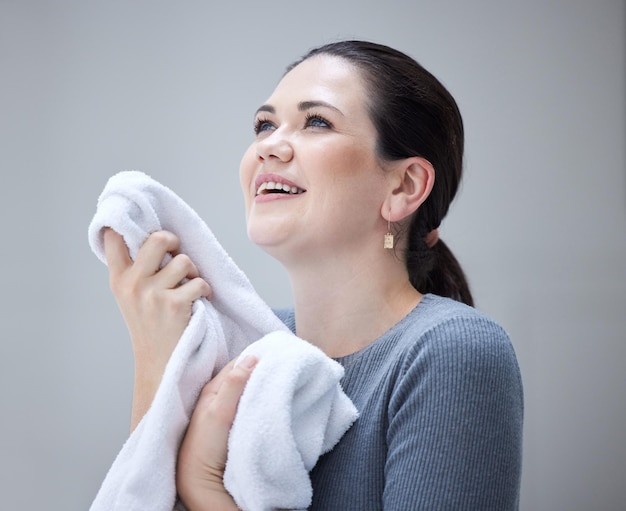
column 435, row 269
column 446, row 277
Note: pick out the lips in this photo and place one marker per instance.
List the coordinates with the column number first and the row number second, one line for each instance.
column 267, row 184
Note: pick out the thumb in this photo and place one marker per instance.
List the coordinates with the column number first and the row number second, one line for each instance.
column 116, row 251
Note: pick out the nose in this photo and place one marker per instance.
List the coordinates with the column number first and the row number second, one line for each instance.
column 274, row 146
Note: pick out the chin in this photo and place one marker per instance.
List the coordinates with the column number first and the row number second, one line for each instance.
column 264, row 237
column 277, row 245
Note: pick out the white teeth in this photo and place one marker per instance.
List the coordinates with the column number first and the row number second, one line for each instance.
column 271, row 185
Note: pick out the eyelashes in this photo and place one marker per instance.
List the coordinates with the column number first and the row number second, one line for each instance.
column 316, row 121
column 262, row 124
column 311, row 120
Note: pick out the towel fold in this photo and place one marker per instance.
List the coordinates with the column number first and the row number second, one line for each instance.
column 292, row 410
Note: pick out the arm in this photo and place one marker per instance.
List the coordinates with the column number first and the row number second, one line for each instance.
column 156, row 306
column 455, row 425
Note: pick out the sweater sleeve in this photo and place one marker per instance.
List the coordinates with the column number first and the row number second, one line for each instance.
column 455, row 422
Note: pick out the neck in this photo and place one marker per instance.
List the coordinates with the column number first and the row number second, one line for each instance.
column 344, row 306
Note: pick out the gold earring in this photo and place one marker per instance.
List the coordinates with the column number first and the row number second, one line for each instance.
column 388, row 243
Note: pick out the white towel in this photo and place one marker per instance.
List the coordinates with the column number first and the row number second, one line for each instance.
column 292, row 410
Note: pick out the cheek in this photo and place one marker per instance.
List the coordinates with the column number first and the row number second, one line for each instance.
column 351, row 159
column 246, row 169
column 355, row 167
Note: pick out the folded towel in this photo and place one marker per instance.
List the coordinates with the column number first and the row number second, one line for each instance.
column 305, row 416
column 292, row 410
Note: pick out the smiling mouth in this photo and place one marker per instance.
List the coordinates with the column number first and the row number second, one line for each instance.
column 268, row 187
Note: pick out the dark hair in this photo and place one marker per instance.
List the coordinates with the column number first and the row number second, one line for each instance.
column 414, row 115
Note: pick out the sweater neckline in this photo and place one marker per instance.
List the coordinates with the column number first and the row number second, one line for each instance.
column 346, row 360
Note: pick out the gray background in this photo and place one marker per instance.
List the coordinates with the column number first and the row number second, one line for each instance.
column 92, row 88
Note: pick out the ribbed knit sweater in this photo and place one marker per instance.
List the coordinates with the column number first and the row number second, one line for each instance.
column 440, row 427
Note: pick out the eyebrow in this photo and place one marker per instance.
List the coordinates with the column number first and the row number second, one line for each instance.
column 302, row 107
column 265, row 108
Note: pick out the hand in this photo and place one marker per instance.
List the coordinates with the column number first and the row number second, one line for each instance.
column 202, row 455
column 155, row 304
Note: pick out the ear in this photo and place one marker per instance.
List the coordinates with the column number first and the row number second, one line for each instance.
column 412, row 180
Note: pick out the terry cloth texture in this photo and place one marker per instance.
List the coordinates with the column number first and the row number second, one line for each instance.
column 293, row 408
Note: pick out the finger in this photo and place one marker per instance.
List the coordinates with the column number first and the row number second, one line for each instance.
column 152, row 252
column 227, row 398
column 174, row 272
column 198, row 288
column 116, row 251
column 212, row 386
column 215, row 412
column 183, row 296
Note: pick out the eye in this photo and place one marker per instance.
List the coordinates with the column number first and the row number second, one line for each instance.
column 316, row 121
column 262, row 124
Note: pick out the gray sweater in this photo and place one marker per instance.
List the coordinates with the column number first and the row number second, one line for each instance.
column 440, row 426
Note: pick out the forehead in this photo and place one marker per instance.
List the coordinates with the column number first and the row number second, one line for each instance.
column 323, row 78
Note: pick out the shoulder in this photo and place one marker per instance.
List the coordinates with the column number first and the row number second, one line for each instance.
column 454, row 346
column 445, row 342
column 443, row 323
column 435, row 311
column 456, row 406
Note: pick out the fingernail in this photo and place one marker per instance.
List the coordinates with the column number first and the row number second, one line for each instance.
column 249, row 362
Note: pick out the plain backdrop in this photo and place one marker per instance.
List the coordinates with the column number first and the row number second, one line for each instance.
column 88, row 89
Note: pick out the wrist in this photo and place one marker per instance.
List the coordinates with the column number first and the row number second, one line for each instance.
column 146, row 383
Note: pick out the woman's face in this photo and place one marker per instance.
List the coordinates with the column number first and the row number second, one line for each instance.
column 311, row 179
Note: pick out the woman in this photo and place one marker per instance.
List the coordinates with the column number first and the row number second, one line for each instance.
column 357, row 156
